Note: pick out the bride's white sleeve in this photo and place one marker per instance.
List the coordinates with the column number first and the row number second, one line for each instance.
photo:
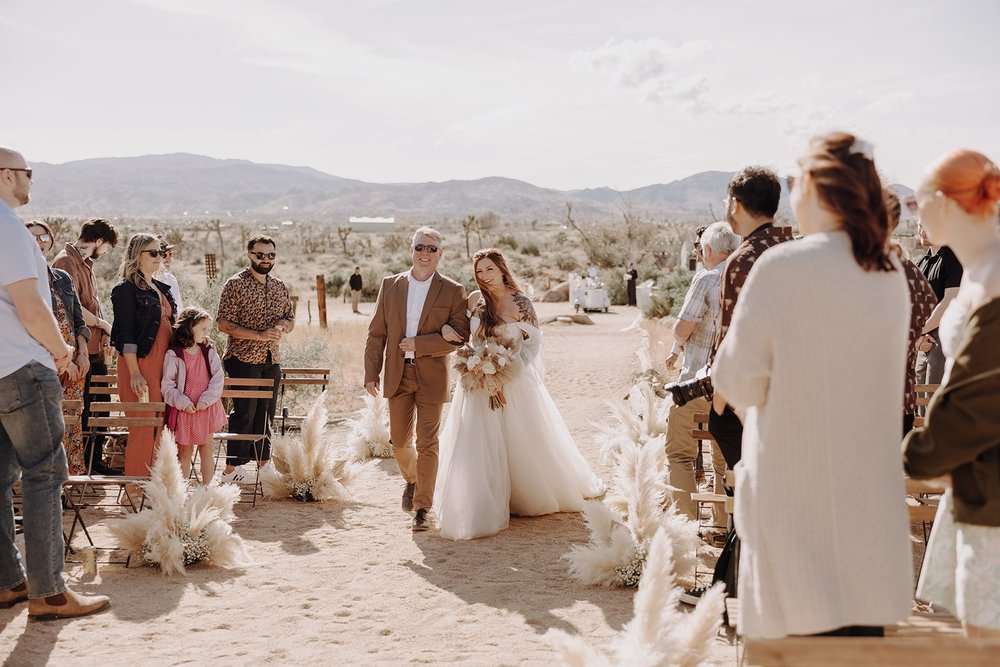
column 531, row 351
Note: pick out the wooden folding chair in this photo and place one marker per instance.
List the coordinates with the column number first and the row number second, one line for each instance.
column 82, row 491
column 293, row 377
column 246, row 388
column 924, row 394
column 102, row 389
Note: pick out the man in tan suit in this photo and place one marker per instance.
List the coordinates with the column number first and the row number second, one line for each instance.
column 410, row 311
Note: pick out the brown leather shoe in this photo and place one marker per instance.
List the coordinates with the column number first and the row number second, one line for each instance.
column 408, row 497
column 66, row 605
column 420, row 521
column 13, row 596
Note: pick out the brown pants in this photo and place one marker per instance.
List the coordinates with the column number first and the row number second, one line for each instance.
column 355, row 299
column 416, row 465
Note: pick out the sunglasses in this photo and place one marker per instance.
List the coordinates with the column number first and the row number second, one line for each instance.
column 420, row 247
column 156, row 253
column 43, row 237
column 26, row 170
column 261, row 256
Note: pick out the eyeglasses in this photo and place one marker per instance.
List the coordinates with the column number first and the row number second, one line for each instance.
column 420, row 247
column 26, row 170
column 156, row 253
column 264, row 255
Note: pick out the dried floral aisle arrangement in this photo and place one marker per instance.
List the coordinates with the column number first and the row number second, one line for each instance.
column 180, row 529
column 623, row 524
column 307, row 466
column 370, row 430
column 659, row 634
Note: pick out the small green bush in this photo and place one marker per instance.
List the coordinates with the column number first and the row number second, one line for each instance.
column 508, row 241
column 531, row 249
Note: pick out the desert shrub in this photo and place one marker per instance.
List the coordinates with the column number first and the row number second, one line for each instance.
column 561, row 238
column 508, row 241
column 668, row 293
column 334, row 283
column 615, row 285
column 531, row 249
column 566, row 262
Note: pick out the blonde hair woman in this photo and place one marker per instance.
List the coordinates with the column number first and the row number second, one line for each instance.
column 144, row 314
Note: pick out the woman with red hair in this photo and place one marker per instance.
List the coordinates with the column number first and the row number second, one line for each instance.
column 961, row 437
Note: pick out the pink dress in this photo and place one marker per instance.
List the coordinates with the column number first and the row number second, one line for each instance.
column 197, row 428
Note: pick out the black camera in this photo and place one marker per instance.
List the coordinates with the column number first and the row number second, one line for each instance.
column 697, row 387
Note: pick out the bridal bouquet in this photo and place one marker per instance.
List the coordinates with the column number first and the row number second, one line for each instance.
column 487, row 365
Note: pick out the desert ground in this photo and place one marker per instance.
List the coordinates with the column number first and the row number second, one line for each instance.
column 350, row 583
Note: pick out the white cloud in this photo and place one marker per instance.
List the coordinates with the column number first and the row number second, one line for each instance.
column 663, row 73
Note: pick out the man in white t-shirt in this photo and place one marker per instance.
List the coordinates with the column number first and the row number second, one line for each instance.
column 32, row 352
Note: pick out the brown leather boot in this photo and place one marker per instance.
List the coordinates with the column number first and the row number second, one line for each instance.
column 13, row 596
column 65, row 605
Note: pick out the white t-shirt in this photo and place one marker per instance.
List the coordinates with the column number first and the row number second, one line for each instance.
column 20, row 259
column 416, row 295
column 175, row 289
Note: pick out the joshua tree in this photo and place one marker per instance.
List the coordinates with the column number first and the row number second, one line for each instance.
column 343, row 233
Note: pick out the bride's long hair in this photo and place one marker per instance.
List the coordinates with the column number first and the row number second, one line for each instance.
column 489, row 316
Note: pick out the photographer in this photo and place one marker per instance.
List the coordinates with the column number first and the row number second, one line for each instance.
column 694, row 334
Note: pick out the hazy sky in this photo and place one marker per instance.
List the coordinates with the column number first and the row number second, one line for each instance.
column 558, row 93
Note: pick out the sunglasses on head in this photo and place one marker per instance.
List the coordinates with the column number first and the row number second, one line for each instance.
column 420, row 247
column 156, row 252
column 264, row 255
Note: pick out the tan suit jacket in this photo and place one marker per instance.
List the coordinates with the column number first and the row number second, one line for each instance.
column 445, row 304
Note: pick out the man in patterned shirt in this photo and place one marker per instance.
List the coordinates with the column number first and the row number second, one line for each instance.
column 753, row 199
column 255, row 311
column 694, row 335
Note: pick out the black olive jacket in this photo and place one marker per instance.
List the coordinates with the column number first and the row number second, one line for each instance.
column 137, row 316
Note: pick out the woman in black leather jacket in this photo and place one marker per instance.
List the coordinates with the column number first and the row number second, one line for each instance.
column 144, row 315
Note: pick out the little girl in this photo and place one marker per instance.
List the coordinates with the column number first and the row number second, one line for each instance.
column 192, row 386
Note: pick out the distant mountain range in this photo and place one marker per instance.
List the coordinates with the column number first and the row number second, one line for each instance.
column 182, row 185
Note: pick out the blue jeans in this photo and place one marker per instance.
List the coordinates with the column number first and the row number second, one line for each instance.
column 31, row 434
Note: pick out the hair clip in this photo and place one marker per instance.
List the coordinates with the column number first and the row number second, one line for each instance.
column 862, row 147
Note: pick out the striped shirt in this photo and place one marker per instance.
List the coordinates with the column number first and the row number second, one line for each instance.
column 701, row 306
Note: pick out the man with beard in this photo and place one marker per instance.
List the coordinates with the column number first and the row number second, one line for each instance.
column 254, row 311
column 32, row 352
column 97, row 238
column 754, row 193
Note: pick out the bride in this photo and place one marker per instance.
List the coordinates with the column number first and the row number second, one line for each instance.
column 520, row 459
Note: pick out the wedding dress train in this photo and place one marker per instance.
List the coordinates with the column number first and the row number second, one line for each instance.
column 517, row 460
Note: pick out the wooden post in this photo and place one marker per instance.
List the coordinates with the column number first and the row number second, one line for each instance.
column 321, row 300
column 211, row 270
column 309, row 310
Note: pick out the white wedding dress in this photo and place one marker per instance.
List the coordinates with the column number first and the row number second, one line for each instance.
column 518, row 460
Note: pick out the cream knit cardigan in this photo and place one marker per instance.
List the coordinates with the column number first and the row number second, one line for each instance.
column 816, row 355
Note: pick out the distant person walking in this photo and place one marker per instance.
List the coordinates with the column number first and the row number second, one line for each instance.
column 255, row 311
column 32, row 352
column 97, row 238
column 356, row 285
column 631, row 277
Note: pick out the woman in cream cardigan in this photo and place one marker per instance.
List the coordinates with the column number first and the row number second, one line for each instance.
column 815, row 357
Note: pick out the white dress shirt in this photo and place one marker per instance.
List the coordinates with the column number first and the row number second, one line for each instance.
column 416, row 295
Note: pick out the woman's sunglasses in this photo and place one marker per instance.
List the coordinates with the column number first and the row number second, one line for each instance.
column 420, row 247
column 156, row 253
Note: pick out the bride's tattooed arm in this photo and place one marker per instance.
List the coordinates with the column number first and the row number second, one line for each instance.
column 527, row 311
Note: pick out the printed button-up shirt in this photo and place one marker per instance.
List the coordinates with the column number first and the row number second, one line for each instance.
column 701, row 306
column 922, row 302
column 255, row 305
column 738, row 266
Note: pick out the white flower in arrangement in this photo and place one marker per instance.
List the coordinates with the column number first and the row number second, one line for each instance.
column 177, row 528
column 308, row 466
column 501, row 361
column 370, row 429
column 473, row 361
column 489, row 368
